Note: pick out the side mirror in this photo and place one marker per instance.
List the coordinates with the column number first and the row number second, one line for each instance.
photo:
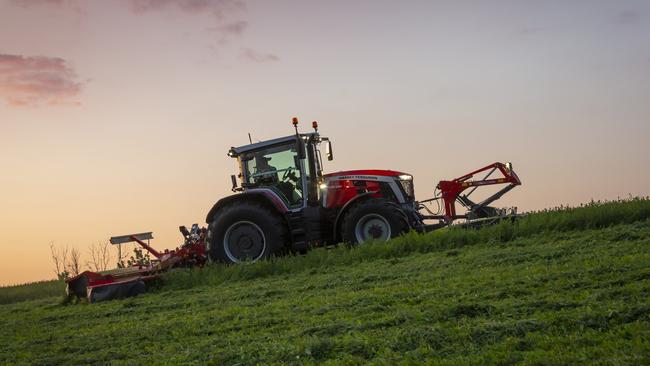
column 300, row 146
column 328, row 151
column 234, row 182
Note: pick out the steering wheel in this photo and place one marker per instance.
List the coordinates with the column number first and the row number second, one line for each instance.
column 289, row 175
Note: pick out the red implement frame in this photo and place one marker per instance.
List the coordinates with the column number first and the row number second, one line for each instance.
column 124, row 281
column 451, row 189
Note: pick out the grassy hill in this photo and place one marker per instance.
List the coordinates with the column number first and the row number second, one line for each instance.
column 30, row 291
column 567, row 286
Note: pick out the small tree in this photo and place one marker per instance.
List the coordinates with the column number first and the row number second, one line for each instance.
column 60, row 260
column 74, row 264
column 100, row 256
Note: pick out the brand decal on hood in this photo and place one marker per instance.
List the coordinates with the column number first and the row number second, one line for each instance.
column 343, row 177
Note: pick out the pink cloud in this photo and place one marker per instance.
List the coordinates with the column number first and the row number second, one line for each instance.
column 28, row 3
column 627, row 17
column 228, row 31
column 75, row 5
column 37, row 80
column 234, row 28
column 255, row 56
column 217, row 8
column 221, row 11
column 143, row 6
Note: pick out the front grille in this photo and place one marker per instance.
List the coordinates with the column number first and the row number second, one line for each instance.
column 407, row 188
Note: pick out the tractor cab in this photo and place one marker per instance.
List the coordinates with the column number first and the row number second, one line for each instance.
column 290, row 166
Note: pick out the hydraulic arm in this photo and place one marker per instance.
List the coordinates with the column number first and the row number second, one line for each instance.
column 451, row 192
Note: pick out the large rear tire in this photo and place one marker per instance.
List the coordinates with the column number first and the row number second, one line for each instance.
column 375, row 219
column 245, row 232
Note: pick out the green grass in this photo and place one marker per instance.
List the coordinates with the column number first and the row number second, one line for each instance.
column 563, row 287
column 594, row 215
column 30, row 291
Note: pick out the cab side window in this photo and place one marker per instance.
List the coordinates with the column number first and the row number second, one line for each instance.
column 276, row 168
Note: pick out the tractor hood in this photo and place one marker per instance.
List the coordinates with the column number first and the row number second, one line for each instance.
column 363, row 173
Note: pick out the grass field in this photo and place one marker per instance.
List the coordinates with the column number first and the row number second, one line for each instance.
column 563, row 287
column 30, row 291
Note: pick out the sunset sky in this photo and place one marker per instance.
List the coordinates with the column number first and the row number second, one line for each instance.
column 116, row 116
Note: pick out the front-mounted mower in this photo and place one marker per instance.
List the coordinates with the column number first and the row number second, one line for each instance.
column 284, row 203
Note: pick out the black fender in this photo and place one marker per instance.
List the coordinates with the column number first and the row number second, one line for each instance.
column 264, row 196
column 401, row 211
column 337, row 222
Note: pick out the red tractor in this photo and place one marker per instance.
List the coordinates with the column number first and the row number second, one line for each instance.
column 286, row 203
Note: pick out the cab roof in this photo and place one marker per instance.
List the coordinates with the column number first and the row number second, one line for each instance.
column 236, row 151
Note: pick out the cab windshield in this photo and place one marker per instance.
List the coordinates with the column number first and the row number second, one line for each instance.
column 277, row 168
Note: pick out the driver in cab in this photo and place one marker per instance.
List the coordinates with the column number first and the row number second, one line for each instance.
column 265, row 173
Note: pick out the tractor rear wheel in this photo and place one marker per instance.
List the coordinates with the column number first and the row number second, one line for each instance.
column 245, row 232
column 375, row 219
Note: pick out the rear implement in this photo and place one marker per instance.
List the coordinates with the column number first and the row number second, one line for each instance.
column 132, row 280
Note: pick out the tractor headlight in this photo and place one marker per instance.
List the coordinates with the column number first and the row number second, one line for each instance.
column 406, row 181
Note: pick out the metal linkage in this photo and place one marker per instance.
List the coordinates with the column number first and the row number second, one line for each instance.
column 450, row 192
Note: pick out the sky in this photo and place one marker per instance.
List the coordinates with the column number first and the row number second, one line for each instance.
column 116, row 116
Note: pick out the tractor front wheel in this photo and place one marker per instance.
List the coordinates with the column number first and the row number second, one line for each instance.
column 375, row 219
column 245, row 232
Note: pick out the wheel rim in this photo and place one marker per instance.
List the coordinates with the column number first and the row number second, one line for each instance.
column 372, row 227
column 244, row 241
